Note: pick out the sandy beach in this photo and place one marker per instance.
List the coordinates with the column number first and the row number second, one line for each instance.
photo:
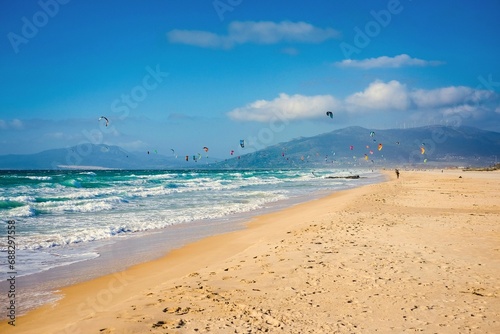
column 416, row 254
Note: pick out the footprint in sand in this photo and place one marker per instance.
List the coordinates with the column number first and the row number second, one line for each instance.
column 169, row 324
column 177, row 310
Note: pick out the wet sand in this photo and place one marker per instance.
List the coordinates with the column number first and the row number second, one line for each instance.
column 418, row 253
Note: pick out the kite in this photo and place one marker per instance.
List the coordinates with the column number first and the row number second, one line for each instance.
column 351, row 147
column 329, row 113
column 105, row 118
column 205, row 149
column 232, row 152
column 422, row 150
column 372, row 134
column 366, row 157
column 187, row 157
column 242, row 143
column 380, row 146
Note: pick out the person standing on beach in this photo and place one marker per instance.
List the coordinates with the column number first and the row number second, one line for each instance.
column 397, row 173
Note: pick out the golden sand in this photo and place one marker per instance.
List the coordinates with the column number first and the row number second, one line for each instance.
column 418, row 253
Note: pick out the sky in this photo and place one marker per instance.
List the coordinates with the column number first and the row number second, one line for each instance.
column 189, row 74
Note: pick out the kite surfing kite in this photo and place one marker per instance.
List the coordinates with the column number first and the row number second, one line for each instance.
column 205, row 149
column 242, row 143
column 105, row 118
column 422, row 150
column 372, row 134
column 380, row 146
column 329, row 114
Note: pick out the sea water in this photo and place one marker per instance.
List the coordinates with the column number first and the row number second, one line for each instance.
column 63, row 218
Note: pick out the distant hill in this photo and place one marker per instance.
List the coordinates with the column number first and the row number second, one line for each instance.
column 88, row 156
column 444, row 146
column 454, row 146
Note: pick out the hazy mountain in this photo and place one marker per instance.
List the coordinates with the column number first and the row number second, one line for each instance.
column 88, row 156
column 458, row 146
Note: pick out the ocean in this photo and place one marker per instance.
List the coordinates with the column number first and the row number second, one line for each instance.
column 69, row 226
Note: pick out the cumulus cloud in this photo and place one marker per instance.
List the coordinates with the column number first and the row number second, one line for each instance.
column 401, row 60
column 380, row 96
column 447, row 96
column 263, row 32
column 286, row 107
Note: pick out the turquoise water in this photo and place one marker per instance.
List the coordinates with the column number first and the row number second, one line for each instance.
column 61, row 216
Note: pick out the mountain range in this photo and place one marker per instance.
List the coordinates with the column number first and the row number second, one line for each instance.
column 433, row 146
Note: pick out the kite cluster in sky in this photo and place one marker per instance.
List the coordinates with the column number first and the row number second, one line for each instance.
column 366, row 156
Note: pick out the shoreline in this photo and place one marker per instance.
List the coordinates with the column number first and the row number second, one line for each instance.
column 239, row 268
column 141, row 248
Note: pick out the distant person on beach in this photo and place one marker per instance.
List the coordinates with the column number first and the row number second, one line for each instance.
column 397, row 173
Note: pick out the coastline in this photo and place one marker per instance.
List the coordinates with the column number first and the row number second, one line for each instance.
column 358, row 260
column 108, row 256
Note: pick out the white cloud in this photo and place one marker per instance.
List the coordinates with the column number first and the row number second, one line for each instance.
column 16, row 124
column 264, row 32
column 286, row 107
column 380, row 96
column 384, row 61
column 448, row 96
column 199, row 38
column 464, row 110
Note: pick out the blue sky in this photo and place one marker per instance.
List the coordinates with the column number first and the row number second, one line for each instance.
column 189, row 74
